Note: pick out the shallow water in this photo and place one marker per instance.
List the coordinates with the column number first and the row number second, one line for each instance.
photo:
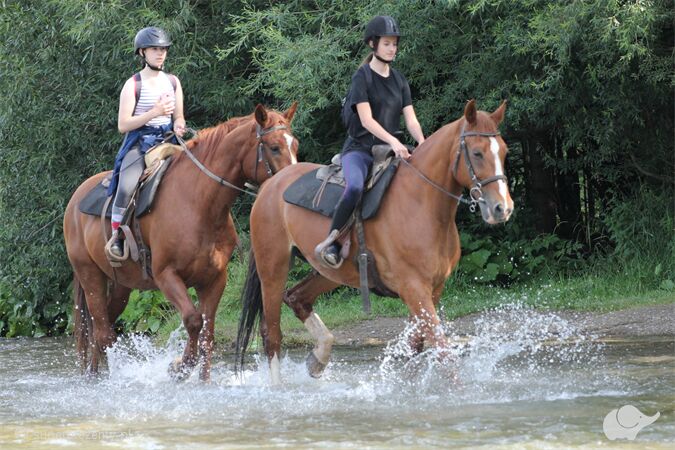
column 540, row 385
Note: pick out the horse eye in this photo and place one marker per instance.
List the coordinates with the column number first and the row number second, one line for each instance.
column 477, row 154
column 275, row 150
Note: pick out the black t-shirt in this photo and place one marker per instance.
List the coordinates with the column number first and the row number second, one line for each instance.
column 387, row 97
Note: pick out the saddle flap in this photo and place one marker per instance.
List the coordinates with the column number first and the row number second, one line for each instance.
column 93, row 202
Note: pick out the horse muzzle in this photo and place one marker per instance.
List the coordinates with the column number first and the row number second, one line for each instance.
column 497, row 210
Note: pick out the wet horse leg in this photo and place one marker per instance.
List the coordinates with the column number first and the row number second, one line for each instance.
column 300, row 298
column 420, row 302
column 209, row 298
column 93, row 282
column 416, row 338
column 273, row 272
column 119, row 298
column 175, row 290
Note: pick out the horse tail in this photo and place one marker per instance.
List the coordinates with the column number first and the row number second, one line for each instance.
column 82, row 322
column 251, row 311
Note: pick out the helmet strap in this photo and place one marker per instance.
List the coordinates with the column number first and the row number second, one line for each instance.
column 379, row 58
column 376, row 43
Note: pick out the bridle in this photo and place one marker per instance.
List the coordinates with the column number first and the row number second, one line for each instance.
column 477, row 183
column 476, row 191
column 260, row 157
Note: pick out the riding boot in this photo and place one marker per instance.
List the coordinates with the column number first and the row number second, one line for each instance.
column 117, row 247
column 328, row 251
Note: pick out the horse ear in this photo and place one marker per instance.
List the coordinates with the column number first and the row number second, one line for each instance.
column 498, row 114
column 290, row 112
column 470, row 111
column 261, row 115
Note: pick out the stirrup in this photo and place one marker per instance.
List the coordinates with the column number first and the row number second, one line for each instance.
column 320, row 251
column 114, row 259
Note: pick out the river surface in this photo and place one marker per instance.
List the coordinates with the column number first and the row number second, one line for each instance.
column 542, row 385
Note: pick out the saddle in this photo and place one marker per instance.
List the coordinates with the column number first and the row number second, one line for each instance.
column 320, row 190
column 97, row 203
column 157, row 161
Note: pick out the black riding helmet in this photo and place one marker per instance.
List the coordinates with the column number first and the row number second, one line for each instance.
column 151, row 37
column 381, row 26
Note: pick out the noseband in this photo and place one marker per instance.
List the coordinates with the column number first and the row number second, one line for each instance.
column 261, row 157
column 476, row 191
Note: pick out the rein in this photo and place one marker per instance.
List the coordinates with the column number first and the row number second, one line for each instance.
column 260, row 132
column 476, row 191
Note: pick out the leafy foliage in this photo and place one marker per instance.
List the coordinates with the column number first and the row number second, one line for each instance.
column 589, row 85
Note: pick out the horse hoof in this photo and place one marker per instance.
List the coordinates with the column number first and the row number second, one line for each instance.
column 314, row 366
column 178, row 371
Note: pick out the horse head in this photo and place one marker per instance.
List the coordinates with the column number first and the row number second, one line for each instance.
column 484, row 151
column 276, row 147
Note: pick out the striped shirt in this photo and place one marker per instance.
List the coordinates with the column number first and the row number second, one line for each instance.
column 150, row 95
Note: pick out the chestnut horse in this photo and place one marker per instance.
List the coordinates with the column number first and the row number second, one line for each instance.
column 414, row 237
column 189, row 230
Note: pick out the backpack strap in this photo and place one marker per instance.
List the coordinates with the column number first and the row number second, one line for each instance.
column 173, row 80
column 137, row 89
column 398, row 76
column 368, row 72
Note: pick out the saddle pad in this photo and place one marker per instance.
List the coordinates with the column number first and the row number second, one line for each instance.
column 302, row 191
column 93, row 202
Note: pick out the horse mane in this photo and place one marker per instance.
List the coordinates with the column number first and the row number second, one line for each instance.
column 210, row 136
column 484, row 123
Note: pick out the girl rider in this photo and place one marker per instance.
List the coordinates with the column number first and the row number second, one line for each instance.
column 379, row 104
column 157, row 110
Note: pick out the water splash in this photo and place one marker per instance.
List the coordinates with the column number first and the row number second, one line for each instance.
column 515, row 353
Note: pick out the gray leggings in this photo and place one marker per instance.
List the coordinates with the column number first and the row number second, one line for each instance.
column 133, row 165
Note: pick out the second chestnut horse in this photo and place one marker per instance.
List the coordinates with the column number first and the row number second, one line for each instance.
column 413, row 237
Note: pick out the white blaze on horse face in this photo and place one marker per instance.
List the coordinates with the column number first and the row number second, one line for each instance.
column 494, row 148
column 289, row 142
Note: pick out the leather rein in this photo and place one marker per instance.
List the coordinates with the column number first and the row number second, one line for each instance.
column 260, row 157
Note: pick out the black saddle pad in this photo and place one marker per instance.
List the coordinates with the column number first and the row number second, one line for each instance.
column 303, row 190
column 93, row 202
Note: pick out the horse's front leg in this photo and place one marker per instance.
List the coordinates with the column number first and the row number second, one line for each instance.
column 175, row 290
column 209, row 298
column 421, row 304
column 301, row 298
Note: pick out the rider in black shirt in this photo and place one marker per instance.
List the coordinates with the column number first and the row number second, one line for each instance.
column 379, row 95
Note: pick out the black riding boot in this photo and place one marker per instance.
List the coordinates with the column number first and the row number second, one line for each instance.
column 328, row 251
column 117, row 247
column 332, row 255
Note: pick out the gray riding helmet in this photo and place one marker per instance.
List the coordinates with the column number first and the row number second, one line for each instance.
column 151, row 37
column 381, row 26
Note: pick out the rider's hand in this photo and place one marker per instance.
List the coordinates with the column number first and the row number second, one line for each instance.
column 164, row 106
column 399, row 149
column 179, row 128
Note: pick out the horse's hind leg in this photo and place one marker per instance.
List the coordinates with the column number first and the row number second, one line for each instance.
column 301, row 298
column 119, row 297
column 273, row 272
column 94, row 284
